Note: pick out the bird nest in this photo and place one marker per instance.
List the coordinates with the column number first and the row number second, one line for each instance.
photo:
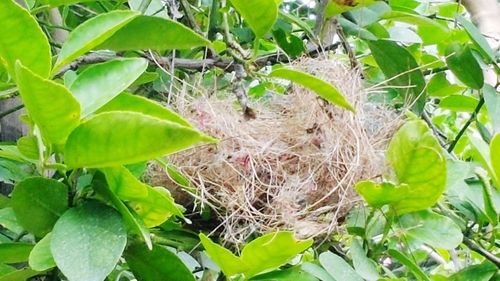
column 294, row 166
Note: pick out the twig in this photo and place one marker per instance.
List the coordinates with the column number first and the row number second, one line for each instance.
column 10, row 111
column 478, row 249
column 441, row 137
column 189, row 16
column 88, row 59
column 466, row 126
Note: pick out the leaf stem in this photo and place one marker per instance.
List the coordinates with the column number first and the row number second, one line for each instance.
column 466, row 126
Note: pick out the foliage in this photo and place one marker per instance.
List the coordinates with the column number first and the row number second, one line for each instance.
column 95, row 111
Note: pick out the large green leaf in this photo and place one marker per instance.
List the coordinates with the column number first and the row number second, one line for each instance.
column 115, row 138
column 38, row 203
column 147, row 32
column 15, row 252
column 433, row 229
column 225, row 259
column 100, row 83
column 22, row 39
column 40, row 258
column 320, row 87
column 339, row 269
column 129, row 102
column 420, row 168
column 492, row 102
column 260, row 15
column 464, row 65
column 88, row 241
column 90, row 34
column 51, row 106
column 364, row 266
column 495, row 158
column 401, row 70
column 478, row 38
column 480, row 272
column 158, row 264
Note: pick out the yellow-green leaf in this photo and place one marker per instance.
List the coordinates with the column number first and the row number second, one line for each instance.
column 40, row 258
column 22, row 39
column 495, row 158
column 260, row 15
column 320, row 87
column 225, row 259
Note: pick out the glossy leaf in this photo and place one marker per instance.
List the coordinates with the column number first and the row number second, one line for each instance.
column 88, row 241
column 320, row 87
column 492, row 102
column 38, row 203
column 364, row 266
column 8, row 219
column 439, row 86
column 260, row 15
column 271, row 251
column 90, row 34
column 433, row 229
column 97, row 143
column 129, row 102
column 100, row 83
column 339, row 269
column 147, row 32
column 22, row 39
column 464, row 65
column 225, row 259
column 51, row 106
column 317, row 271
column 401, row 70
column 40, row 258
column 478, row 38
column 158, row 264
column 14, row 252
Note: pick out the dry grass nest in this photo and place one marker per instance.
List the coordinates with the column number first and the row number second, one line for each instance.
column 294, row 166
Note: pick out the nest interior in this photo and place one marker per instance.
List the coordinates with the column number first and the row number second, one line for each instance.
column 294, row 166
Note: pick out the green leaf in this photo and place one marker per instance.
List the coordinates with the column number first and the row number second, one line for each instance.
column 339, row 269
column 478, row 38
column 88, row 241
column 415, row 269
column 19, row 275
column 271, row 251
column 439, row 86
column 364, row 266
column 147, row 32
column 22, row 39
column 492, row 102
column 129, row 102
column 28, row 146
column 317, row 271
column 334, row 8
column 495, row 158
column 459, row 103
column 260, row 15
column 401, row 70
column 15, row 252
column 464, row 65
column 90, row 34
column 479, row 272
column 98, row 143
column 51, row 106
column 9, row 221
column 290, row 274
column 55, row 3
column 225, row 259
column 100, row 83
column 158, row 264
column 433, row 229
column 38, row 203
column 320, row 87
column 40, row 258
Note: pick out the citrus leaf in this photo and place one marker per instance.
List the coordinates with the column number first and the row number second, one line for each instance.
column 51, row 106
column 459, row 103
column 158, row 264
column 19, row 275
column 147, row 32
column 119, row 137
column 338, row 268
column 260, row 15
column 320, row 87
column 129, row 102
column 28, row 146
column 38, row 203
column 225, row 259
column 479, row 272
column 22, row 39
column 337, row 7
column 100, row 83
column 40, row 258
column 15, row 252
column 464, row 65
column 417, row 271
column 88, row 241
column 495, row 158
column 477, row 37
column 289, row 274
column 90, row 34
column 364, row 266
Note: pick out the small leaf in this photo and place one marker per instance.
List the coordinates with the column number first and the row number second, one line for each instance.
column 28, row 146
column 260, row 15
column 459, row 103
column 417, row 271
column 98, row 142
column 147, row 32
column 158, row 264
column 88, row 241
column 22, row 39
column 339, row 269
column 478, row 38
column 40, row 258
column 364, row 266
column 271, row 251
column 129, row 102
column 100, row 83
column 15, row 252
column 90, row 34
column 402, row 70
column 320, row 87
column 51, row 106
column 38, row 203
column 225, row 259
column 464, row 65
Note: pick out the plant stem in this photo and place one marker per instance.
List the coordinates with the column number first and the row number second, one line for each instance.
column 478, row 249
column 466, row 126
column 144, row 5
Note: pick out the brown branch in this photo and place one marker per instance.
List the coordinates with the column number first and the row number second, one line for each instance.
column 83, row 60
column 478, row 249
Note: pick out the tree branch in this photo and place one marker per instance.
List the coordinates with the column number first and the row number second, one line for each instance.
column 478, row 249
